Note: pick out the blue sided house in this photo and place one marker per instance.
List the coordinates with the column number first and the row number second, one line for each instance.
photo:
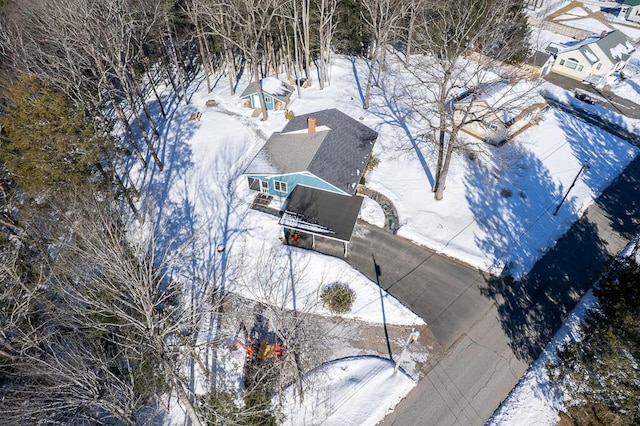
column 315, row 164
column 276, row 93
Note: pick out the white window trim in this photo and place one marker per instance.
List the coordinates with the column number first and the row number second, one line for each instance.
column 264, row 186
column 278, row 183
column 572, row 61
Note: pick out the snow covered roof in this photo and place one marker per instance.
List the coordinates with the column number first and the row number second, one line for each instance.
column 322, row 213
column 286, row 153
column 271, row 85
column 504, row 99
column 337, row 153
column 613, row 44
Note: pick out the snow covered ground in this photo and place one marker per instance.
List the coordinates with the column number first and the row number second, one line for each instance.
column 630, row 88
column 350, row 391
column 536, row 401
column 497, row 209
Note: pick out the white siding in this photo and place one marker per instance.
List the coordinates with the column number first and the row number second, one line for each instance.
column 560, row 65
column 607, row 65
column 634, row 14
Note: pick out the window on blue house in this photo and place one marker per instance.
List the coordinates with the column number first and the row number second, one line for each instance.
column 280, row 186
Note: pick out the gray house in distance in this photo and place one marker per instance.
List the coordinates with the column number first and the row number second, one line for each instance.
column 315, row 164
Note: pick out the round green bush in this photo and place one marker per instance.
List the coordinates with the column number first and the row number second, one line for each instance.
column 338, row 298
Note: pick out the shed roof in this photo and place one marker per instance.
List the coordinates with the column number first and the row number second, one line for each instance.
column 271, row 85
column 321, row 213
column 631, row 2
column 502, row 99
column 337, row 153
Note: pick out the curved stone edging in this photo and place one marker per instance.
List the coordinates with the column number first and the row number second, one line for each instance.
column 391, row 218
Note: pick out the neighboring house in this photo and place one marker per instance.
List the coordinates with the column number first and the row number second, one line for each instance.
column 276, row 94
column 315, row 163
column 539, row 64
column 497, row 111
column 630, row 11
column 599, row 55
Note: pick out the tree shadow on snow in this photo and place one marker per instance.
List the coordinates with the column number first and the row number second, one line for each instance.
column 501, row 199
column 601, row 150
column 509, row 199
column 532, row 309
column 388, row 106
column 620, row 198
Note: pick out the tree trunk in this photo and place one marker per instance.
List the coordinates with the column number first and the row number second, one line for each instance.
column 263, row 105
column 153, row 87
column 298, row 72
column 143, row 104
column 145, row 135
column 306, row 6
column 442, row 176
column 231, row 70
column 412, row 22
column 205, row 58
column 167, row 69
column 129, row 132
column 367, row 88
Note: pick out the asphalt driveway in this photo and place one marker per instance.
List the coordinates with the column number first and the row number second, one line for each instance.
column 605, row 98
column 491, row 329
column 476, row 368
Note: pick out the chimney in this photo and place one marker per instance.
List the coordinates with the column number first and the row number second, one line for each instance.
column 311, row 125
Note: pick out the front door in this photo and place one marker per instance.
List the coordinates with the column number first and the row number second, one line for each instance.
column 264, row 186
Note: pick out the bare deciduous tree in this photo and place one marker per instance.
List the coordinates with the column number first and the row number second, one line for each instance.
column 326, row 27
column 382, row 18
column 276, row 283
column 447, row 34
column 103, row 325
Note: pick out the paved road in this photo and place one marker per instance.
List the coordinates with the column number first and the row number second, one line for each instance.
column 490, row 329
column 481, row 367
column 476, row 368
column 606, row 98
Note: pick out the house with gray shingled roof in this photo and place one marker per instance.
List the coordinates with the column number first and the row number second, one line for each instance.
column 599, row 55
column 315, row 165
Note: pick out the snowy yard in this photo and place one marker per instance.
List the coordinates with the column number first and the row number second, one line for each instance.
column 497, row 210
column 348, row 392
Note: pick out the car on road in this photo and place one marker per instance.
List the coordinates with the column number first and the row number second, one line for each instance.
column 584, row 97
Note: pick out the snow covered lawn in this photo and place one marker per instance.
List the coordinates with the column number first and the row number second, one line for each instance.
column 351, row 391
column 497, row 211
